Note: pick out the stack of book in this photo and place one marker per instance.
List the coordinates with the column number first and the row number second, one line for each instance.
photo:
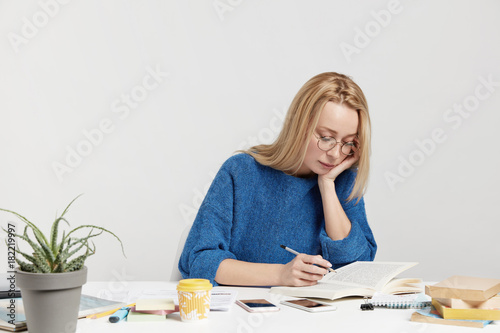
column 462, row 301
column 151, row 310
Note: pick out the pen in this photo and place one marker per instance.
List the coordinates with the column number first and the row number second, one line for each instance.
column 296, row 253
column 119, row 315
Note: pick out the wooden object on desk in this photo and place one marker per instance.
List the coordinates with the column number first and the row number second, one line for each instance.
column 465, row 288
column 431, row 316
column 469, row 314
column 492, row 303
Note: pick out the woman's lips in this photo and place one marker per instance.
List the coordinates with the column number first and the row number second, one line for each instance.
column 326, row 165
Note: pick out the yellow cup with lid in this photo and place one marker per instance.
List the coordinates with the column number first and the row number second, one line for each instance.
column 194, row 299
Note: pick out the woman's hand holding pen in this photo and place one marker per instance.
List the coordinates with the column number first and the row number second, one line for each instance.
column 304, row 270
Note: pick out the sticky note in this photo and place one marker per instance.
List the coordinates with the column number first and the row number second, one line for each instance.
column 154, row 304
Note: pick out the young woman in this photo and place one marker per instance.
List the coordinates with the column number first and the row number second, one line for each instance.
column 304, row 191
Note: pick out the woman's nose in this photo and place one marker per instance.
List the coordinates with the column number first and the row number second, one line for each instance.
column 335, row 151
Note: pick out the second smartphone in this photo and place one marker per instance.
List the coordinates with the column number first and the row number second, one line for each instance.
column 310, row 306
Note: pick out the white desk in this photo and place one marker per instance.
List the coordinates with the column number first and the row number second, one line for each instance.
column 347, row 318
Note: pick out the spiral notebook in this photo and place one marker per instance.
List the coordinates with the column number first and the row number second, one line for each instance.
column 407, row 301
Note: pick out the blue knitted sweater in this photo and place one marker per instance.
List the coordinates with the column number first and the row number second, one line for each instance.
column 251, row 209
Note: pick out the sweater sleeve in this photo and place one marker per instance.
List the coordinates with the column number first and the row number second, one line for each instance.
column 360, row 244
column 207, row 244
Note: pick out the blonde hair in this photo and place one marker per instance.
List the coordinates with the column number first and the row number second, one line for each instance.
column 288, row 151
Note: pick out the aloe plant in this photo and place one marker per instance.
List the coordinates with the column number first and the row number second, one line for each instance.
column 53, row 255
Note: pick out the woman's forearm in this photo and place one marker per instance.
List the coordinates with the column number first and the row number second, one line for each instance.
column 242, row 273
column 337, row 224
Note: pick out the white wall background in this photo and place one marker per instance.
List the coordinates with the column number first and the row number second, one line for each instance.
column 226, row 71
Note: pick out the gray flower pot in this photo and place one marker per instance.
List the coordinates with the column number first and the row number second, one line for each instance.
column 52, row 300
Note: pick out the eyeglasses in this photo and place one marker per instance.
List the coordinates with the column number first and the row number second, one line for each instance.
column 326, row 143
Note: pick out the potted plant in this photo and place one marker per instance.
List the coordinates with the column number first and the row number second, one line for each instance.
column 51, row 277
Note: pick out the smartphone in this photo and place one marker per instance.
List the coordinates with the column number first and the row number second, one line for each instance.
column 257, row 305
column 308, row 305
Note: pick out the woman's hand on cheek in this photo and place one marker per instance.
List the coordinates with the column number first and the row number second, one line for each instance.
column 344, row 165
